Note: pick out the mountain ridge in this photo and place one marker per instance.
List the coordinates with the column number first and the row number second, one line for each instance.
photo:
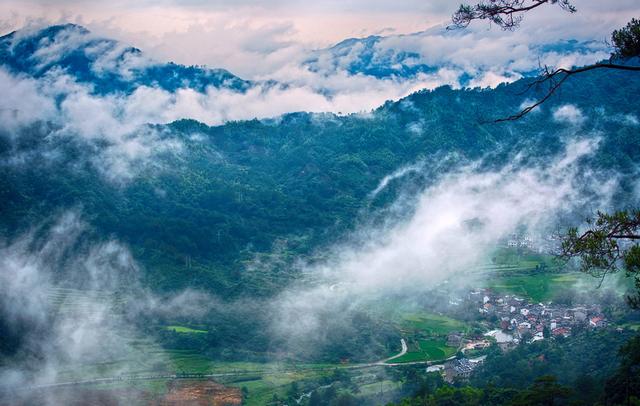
column 113, row 66
column 92, row 55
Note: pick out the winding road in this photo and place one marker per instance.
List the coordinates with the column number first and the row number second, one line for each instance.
column 400, row 354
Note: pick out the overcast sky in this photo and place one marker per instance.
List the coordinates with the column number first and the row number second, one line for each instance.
column 234, row 33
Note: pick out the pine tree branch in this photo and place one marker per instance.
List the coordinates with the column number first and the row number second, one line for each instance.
column 557, row 77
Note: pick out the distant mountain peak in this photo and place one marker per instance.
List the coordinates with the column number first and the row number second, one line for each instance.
column 352, row 41
column 106, row 64
column 412, row 55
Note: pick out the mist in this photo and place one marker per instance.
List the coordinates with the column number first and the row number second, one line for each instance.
column 69, row 299
column 454, row 226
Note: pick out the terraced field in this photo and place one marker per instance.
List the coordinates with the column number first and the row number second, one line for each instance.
column 528, row 274
column 83, row 302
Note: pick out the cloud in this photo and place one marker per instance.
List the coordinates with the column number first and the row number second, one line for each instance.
column 432, row 244
column 116, row 125
column 310, row 21
column 528, row 103
column 399, row 173
column 33, row 271
column 629, row 119
column 69, row 298
column 568, row 114
column 492, row 79
column 284, row 35
column 436, row 243
column 330, row 84
column 115, row 122
column 22, row 103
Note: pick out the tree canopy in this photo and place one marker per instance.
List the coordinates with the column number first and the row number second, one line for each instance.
column 607, row 245
column 626, row 41
column 508, row 14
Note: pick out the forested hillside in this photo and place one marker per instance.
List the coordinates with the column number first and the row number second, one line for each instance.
column 205, row 208
column 356, row 224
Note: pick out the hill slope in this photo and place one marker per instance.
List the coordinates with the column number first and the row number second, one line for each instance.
column 196, row 213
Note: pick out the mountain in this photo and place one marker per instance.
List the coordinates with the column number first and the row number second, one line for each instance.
column 294, row 256
column 107, row 65
column 201, row 205
column 202, row 213
column 110, row 66
column 407, row 56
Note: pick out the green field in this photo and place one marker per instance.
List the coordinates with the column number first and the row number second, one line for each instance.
column 523, row 259
column 435, row 349
column 431, row 324
column 538, row 287
column 426, row 333
column 632, row 326
column 526, row 273
column 187, row 330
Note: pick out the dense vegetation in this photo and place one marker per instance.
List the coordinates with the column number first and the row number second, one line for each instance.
column 228, row 210
column 245, row 333
column 292, row 184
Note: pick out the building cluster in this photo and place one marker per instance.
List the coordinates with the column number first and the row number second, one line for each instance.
column 549, row 243
column 518, row 319
column 520, row 241
column 514, row 320
column 457, row 369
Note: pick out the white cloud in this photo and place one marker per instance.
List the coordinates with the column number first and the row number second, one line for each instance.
column 492, row 79
column 120, row 120
column 488, row 57
column 435, row 243
column 528, row 103
column 568, row 114
column 28, row 281
column 283, row 34
column 399, row 173
column 630, row 119
column 63, row 292
column 118, row 123
column 22, row 103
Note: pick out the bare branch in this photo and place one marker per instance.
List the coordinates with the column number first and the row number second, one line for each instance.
column 530, row 108
column 556, row 78
column 509, row 13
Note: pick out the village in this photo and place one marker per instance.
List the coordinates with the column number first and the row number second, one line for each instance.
column 514, row 320
column 535, row 321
